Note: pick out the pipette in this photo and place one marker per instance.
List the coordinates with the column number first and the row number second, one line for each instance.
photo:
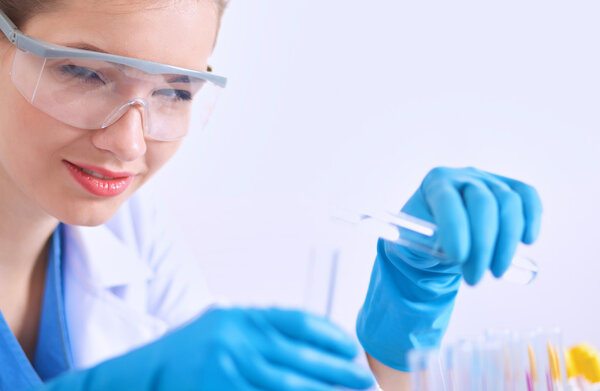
column 421, row 236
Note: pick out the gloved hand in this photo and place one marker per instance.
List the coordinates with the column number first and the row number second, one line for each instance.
column 234, row 349
column 481, row 217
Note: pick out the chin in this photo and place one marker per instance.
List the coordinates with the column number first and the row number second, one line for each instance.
column 89, row 214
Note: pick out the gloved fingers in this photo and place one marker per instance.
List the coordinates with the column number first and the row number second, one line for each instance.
column 301, row 357
column 320, row 366
column 532, row 207
column 510, row 228
column 449, row 214
column 482, row 210
column 308, row 359
column 313, row 330
column 417, row 205
column 265, row 375
column 272, row 378
column 305, row 358
column 234, row 353
column 220, row 373
column 512, row 212
column 252, row 367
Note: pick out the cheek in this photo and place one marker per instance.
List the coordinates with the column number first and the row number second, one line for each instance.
column 30, row 139
column 24, row 141
column 159, row 153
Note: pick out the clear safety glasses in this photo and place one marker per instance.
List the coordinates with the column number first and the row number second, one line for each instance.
column 92, row 90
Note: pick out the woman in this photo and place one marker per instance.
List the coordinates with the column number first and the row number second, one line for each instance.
column 95, row 98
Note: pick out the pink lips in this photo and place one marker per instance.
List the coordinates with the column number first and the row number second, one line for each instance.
column 99, row 181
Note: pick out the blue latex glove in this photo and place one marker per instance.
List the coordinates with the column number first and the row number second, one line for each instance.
column 481, row 218
column 235, row 349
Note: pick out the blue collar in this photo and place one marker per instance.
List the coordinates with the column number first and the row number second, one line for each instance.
column 53, row 353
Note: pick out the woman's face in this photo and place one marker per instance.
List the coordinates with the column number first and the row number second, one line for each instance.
column 39, row 155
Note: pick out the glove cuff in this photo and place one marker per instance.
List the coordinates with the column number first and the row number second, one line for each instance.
column 401, row 312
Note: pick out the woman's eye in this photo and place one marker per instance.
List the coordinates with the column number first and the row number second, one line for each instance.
column 85, row 74
column 176, row 95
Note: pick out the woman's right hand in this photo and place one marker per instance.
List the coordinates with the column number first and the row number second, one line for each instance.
column 234, row 349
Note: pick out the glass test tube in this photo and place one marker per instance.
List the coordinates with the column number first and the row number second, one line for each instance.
column 421, row 236
column 425, row 370
column 500, row 361
column 517, row 369
column 549, row 357
column 321, row 280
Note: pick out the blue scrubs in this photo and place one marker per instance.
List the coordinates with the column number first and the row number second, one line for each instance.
column 53, row 354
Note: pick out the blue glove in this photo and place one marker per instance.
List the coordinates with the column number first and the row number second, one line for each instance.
column 481, row 218
column 236, row 349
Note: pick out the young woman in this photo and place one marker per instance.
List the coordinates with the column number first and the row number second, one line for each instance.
column 95, row 289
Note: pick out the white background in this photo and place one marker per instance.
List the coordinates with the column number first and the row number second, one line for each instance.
column 352, row 102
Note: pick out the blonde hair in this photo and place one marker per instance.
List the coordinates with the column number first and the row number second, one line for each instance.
column 19, row 11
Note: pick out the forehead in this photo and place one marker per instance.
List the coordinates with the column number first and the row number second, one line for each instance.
column 176, row 32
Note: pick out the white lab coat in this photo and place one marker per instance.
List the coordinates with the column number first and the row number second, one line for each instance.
column 127, row 282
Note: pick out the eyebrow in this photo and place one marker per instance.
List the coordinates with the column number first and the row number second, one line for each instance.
column 184, row 79
column 175, row 79
column 86, row 46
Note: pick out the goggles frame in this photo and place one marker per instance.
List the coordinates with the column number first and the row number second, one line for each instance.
column 45, row 49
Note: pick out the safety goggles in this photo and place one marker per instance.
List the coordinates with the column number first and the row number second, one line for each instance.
column 92, row 90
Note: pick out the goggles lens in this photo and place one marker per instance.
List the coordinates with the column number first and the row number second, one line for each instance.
column 94, row 94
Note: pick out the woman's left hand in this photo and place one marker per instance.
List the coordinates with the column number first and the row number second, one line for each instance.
column 481, row 218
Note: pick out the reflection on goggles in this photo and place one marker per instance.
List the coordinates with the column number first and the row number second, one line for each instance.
column 94, row 94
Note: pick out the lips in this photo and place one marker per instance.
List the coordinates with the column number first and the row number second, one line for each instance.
column 99, row 181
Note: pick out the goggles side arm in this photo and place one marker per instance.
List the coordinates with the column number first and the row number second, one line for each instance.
column 8, row 27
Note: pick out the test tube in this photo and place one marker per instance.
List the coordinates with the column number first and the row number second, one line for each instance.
column 321, row 280
column 522, row 378
column 549, row 357
column 499, row 361
column 448, row 369
column 425, row 370
column 558, row 369
column 469, row 371
column 511, row 362
column 421, row 236
column 494, row 365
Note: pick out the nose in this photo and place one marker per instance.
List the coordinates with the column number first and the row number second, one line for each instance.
column 125, row 137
